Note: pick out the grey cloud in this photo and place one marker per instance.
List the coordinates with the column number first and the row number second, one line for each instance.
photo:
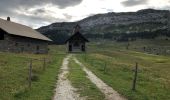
column 160, row 8
column 38, row 11
column 66, row 3
column 34, row 21
column 165, row 8
column 8, row 8
column 108, row 10
column 68, row 17
column 5, row 4
column 129, row 3
column 60, row 3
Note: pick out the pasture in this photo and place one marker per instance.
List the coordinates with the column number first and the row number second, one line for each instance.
column 14, row 71
column 114, row 64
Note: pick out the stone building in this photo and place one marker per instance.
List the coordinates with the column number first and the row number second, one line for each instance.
column 19, row 38
column 168, row 21
column 77, row 42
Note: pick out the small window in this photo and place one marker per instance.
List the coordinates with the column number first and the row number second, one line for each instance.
column 22, row 49
column 28, row 45
column 38, row 48
column 1, row 35
column 16, row 44
column 76, row 44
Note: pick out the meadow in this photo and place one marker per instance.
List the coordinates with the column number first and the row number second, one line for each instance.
column 112, row 62
column 115, row 64
column 14, row 69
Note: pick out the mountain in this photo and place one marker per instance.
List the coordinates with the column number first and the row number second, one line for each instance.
column 145, row 23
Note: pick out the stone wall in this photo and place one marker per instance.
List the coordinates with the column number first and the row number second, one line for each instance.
column 4, row 43
column 19, row 44
column 169, row 21
column 76, row 48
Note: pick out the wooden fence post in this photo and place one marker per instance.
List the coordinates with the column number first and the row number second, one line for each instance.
column 30, row 74
column 105, row 67
column 44, row 63
column 135, row 77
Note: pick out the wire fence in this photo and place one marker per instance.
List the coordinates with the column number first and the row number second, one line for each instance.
column 44, row 63
column 105, row 68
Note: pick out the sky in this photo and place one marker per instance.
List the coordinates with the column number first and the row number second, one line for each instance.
column 37, row 13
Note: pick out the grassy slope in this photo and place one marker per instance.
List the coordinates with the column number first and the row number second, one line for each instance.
column 154, row 76
column 153, row 80
column 14, row 73
column 79, row 80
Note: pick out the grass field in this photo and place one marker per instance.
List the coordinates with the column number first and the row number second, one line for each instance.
column 14, row 75
column 110, row 61
column 159, row 46
column 115, row 67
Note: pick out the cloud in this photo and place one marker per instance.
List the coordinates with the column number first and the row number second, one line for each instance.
column 67, row 16
column 39, row 11
column 35, row 21
column 165, row 8
column 34, row 10
column 108, row 10
column 37, row 17
column 30, row 3
column 66, row 3
column 36, row 13
column 129, row 3
column 7, row 7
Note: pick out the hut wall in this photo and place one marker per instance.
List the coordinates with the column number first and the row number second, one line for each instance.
column 19, row 44
column 75, row 48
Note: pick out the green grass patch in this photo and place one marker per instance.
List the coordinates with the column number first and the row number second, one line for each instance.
column 14, row 76
column 115, row 67
column 84, row 86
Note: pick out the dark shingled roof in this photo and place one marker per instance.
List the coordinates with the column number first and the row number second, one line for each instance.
column 75, row 35
column 21, row 30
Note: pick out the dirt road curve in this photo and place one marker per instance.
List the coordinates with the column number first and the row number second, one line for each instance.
column 109, row 93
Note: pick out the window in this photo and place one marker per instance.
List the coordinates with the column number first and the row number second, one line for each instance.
column 28, row 45
column 22, row 49
column 1, row 34
column 16, row 44
column 76, row 44
column 37, row 49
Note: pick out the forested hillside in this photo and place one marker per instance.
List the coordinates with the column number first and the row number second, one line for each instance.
column 147, row 23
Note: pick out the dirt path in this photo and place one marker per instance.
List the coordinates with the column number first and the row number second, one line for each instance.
column 109, row 93
column 64, row 90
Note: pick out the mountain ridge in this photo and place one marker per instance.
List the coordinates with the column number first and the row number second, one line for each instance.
column 112, row 24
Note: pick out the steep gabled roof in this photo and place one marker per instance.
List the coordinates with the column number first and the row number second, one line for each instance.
column 78, row 34
column 21, row 30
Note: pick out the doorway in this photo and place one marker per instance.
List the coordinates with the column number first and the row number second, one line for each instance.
column 1, row 34
column 83, row 48
column 37, row 49
column 70, row 48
